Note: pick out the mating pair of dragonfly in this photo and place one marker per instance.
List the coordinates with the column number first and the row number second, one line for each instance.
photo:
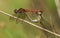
column 38, row 12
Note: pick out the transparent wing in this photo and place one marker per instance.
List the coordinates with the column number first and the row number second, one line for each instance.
column 33, row 16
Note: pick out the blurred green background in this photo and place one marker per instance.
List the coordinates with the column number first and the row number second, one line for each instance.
column 50, row 19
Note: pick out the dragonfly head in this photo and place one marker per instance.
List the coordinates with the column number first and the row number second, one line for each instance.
column 15, row 11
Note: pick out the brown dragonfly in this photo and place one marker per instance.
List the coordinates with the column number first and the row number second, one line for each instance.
column 23, row 11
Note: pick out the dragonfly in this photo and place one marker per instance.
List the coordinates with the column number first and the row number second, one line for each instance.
column 22, row 13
